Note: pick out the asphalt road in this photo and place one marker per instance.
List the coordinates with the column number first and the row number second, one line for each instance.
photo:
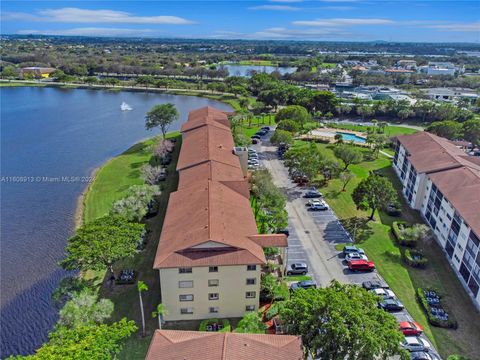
column 313, row 235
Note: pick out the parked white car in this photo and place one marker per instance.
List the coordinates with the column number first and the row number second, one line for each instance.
column 414, row 343
column 385, row 293
column 356, row 256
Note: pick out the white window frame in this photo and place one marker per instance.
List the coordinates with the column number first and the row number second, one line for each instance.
column 213, row 309
column 253, row 283
column 186, row 311
column 248, row 293
column 213, row 284
column 182, row 284
column 190, row 297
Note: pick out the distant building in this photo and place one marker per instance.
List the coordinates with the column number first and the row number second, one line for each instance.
column 196, row 345
column 210, row 254
column 441, row 68
column 443, row 183
column 407, row 64
column 451, row 94
column 37, row 71
column 399, row 71
column 394, row 97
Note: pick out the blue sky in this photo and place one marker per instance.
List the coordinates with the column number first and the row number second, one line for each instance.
column 355, row 20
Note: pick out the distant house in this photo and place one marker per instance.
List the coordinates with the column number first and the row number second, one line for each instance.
column 196, row 345
column 359, row 68
column 37, row 71
column 406, row 64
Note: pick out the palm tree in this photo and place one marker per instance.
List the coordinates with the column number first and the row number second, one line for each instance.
column 161, row 310
column 141, row 286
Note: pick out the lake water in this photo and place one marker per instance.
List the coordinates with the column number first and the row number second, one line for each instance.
column 245, row 70
column 47, row 134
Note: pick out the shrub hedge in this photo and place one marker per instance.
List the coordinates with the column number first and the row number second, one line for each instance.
column 408, row 257
column 450, row 323
column 401, row 240
column 225, row 323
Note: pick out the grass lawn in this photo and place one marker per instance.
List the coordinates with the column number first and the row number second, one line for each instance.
column 114, row 178
column 249, row 129
column 390, row 130
column 17, row 84
column 375, row 237
column 257, row 62
column 110, row 183
column 297, row 278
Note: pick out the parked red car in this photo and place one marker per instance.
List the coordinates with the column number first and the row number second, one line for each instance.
column 410, row 328
column 361, row 265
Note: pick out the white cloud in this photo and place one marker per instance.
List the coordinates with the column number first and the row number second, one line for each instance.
column 76, row 15
column 339, row 1
column 342, row 22
column 89, row 31
column 282, row 33
column 338, row 8
column 275, row 8
column 466, row 27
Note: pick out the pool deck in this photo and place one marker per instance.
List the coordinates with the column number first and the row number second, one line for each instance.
column 328, row 135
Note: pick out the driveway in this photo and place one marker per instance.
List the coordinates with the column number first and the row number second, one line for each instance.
column 313, row 235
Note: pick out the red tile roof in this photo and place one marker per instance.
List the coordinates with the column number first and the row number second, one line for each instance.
column 209, row 220
column 207, row 143
column 195, row 345
column 456, row 174
column 208, row 212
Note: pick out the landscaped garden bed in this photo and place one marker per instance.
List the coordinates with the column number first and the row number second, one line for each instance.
column 398, row 227
column 415, row 258
column 430, row 300
column 215, row 325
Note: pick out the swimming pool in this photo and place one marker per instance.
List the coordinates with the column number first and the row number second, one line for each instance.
column 351, row 137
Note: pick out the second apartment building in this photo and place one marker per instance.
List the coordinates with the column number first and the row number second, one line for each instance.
column 210, row 254
column 443, row 183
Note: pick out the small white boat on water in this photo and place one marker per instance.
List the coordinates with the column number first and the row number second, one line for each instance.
column 125, row 107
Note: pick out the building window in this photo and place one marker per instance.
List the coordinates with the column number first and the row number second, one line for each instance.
column 251, row 281
column 213, row 309
column 185, row 311
column 213, row 296
column 213, row 269
column 185, row 284
column 187, row 270
column 250, row 294
column 251, row 267
column 213, row 282
column 250, row 308
column 188, row 297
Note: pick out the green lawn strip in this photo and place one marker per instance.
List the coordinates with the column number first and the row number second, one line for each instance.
column 297, row 278
column 114, row 178
column 110, row 183
column 135, row 347
column 250, row 128
column 256, row 63
column 18, row 84
column 390, row 130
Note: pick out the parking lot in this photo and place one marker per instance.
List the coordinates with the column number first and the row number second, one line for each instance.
column 314, row 234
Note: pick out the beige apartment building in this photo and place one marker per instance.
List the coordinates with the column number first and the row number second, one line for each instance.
column 210, row 254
